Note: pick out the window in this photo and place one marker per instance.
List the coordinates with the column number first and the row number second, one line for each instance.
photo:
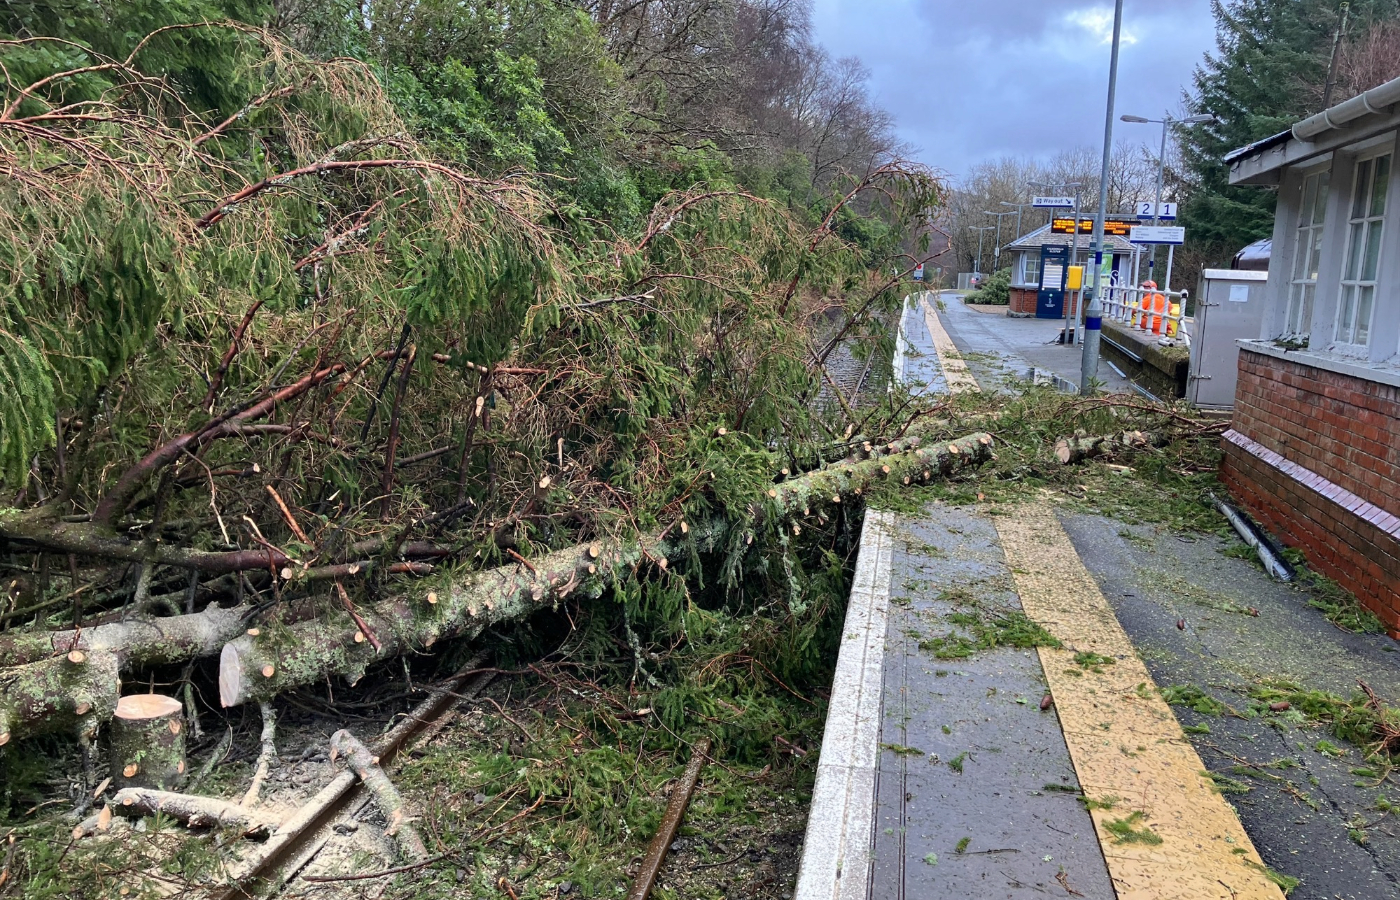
column 1363, row 251
column 1307, row 250
column 1031, row 269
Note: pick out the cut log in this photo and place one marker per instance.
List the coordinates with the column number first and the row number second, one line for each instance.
column 148, row 742
column 75, row 692
column 366, row 767
column 194, row 811
column 257, row 668
column 1080, row 447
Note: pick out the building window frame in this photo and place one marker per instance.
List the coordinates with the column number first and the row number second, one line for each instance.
column 1308, row 247
column 1357, row 291
column 1030, row 269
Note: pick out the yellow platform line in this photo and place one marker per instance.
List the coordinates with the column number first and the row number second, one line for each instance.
column 1123, row 738
column 955, row 372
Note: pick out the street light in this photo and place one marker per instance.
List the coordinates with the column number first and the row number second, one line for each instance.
column 1093, row 316
column 1165, row 122
column 979, row 230
column 1018, row 206
column 996, row 252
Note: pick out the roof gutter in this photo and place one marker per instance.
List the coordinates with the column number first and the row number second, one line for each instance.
column 1373, row 101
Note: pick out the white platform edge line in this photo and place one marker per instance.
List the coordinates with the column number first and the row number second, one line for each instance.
column 840, row 829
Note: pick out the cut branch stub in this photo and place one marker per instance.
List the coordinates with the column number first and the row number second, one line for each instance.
column 58, row 694
column 259, row 668
column 148, row 742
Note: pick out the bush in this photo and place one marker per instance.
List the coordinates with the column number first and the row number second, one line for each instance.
column 995, row 290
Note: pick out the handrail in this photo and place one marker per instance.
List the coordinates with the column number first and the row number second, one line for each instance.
column 1124, row 304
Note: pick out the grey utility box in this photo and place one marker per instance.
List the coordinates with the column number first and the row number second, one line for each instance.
column 1229, row 307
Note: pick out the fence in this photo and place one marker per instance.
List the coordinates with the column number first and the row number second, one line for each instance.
column 1125, row 304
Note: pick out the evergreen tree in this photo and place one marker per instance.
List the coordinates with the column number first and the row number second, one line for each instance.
column 1266, row 73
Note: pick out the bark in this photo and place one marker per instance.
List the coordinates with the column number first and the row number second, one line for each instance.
column 194, row 811
column 1080, row 447
column 258, row 667
column 74, row 692
column 134, row 644
column 40, row 690
column 365, row 765
column 265, row 756
column 147, row 740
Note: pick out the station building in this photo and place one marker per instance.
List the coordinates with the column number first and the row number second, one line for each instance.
column 1314, row 451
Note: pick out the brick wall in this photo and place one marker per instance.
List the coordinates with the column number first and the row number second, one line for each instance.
column 1023, row 301
column 1315, row 457
column 1344, row 428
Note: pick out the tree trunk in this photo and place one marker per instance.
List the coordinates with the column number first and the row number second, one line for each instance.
column 75, row 692
column 1081, row 447
column 137, row 643
column 41, row 690
column 258, row 667
column 148, row 742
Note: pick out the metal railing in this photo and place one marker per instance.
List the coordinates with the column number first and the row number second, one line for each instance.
column 1125, row 304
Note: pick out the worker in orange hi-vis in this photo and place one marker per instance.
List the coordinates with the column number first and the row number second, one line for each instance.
column 1153, row 307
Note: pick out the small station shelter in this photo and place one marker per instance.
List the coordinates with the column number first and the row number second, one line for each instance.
column 1040, row 262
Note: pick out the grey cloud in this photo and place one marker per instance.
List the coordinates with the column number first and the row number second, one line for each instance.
column 967, row 80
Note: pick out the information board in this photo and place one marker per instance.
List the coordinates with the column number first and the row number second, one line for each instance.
column 1115, row 227
column 1050, row 300
column 1158, row 234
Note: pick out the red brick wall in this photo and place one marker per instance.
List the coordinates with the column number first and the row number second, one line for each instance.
column 1345, row 429
column 1315, row 457
column 1023, row 301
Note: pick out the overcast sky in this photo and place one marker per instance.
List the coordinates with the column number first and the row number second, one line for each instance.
column 972, row 79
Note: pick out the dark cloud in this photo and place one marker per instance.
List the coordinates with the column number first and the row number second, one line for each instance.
column 967, row 80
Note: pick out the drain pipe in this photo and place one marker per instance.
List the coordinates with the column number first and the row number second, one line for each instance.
column 1273, row 562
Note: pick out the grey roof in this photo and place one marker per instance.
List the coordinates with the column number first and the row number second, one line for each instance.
column 1256, row 147
column 1042, row 237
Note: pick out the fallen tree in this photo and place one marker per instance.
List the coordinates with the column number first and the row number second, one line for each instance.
column 258, row 663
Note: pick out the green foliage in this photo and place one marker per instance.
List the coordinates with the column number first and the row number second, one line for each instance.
column 984, row 627
column 1125, row 830
column 1189, row 695
column 995, row 290
column 1356, row 720
column 1266, row 73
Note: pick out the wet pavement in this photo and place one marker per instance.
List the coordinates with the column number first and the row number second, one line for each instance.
column 967, row 764
column 1308, row 814
column 976, row 793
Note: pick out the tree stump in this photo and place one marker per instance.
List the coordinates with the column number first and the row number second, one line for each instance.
column 148, row 742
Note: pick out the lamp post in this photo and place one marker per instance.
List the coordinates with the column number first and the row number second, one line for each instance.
column 996, row 248
column 1074, row 240
column 979, row 230
column 1165, row 122
column 1093, row 316
column 1019, row 207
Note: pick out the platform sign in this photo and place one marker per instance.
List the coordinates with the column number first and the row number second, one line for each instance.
column 1158, row 234
column 1165, row 211
column 1053, row 202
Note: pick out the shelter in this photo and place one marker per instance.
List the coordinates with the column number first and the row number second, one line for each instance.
column 1028, row 251
column 1314, row 451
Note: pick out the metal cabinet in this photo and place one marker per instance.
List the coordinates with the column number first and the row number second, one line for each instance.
column 1229, row 308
